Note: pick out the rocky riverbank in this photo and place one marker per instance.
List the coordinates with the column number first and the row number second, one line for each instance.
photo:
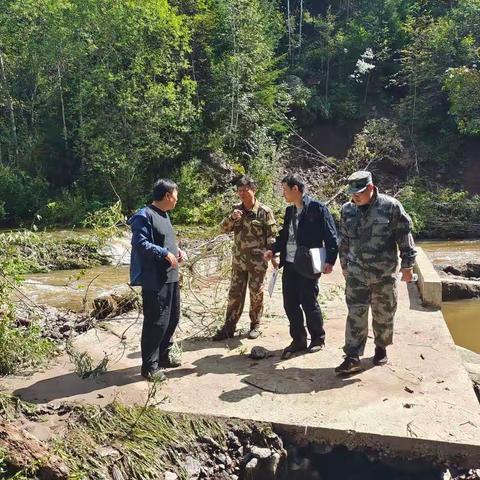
column 459, row 281
column 116, row 442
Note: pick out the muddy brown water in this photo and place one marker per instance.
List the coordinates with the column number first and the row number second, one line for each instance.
column 71, row 288
column 462, row 316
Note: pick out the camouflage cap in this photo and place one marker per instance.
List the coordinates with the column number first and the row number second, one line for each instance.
column 358, row 181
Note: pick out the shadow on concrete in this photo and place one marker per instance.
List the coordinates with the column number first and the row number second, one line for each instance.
column 197, row 344
column 269, row 375
column 416, row 300
column 70, row 385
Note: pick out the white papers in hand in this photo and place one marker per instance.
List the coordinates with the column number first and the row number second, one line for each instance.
column 273, row 279
column 318, row 259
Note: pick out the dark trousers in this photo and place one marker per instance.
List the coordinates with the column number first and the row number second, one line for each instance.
column 299, row 297
column 161, row 314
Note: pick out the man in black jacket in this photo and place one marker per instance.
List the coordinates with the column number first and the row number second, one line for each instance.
column 307, row 223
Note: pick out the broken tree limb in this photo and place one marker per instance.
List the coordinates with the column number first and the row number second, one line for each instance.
column 23, row 451
column 120, row 300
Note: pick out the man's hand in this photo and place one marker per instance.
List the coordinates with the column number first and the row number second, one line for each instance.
column 268, row 255
column 172, row 260
column 237, row 214
column 407, row 274
column 182, row 256
column 275, row 262
column 328, row 268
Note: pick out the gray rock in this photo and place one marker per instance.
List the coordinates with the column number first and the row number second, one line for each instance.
column 250, row 469
column 273, row 465
column 192, row 466
column 222, row 458
column 258, row 353
column 261, row 453
column 170, row 476
column 109, row 452
column 210, row 441
column 458, row 289
column 233, row 440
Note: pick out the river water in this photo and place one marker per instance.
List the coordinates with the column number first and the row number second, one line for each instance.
column 462, row 316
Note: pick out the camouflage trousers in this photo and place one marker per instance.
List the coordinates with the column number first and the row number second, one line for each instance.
column 381, row 297
column 254, row 278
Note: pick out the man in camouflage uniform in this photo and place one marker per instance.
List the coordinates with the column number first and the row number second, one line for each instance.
column 254, row 229
column 373, row 228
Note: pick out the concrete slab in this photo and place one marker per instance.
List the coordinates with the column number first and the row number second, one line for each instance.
column 429, row 282
column 420, row 404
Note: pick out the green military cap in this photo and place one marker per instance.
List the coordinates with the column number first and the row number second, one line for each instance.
column 358, row 181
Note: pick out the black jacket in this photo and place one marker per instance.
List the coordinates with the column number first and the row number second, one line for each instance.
column 316, row 228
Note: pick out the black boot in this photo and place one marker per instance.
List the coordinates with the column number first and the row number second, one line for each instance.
column 380, row 357
column 349, row 365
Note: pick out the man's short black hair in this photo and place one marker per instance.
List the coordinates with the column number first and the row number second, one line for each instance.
column 246, row 182
column 294, row 180
column 162, row 187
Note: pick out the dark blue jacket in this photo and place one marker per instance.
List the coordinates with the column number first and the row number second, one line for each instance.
column 148, row 266
column 316, row 228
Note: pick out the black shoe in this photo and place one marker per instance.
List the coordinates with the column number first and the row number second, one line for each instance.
column 169, row 363
column 380, row 357
column 222, row 334
column 155, row 375
column 291, row 349
column 316, row 346
column 349, row 365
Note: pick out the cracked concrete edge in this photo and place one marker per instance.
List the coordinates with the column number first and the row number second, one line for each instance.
column 379, row 447
column 384, row 446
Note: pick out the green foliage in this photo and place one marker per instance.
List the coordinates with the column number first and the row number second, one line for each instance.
column 84, row 363
column 69, row 208
column 20, row 194
column 244, row 96
column 26, row 252
column 443, row 210
column 106, row 222
column 380, row 139
column 196, row 204
column 462, row 86
column 102, row 97
column 20, row 347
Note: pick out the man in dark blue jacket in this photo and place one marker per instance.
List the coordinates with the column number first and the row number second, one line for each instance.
column 154, row 266
column 307, row 223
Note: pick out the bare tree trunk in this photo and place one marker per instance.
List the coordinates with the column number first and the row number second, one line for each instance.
column 300, row 26
column 289, row 28
column 366, row 88
column 327, row 78
column 10, row 107
column 235, row 81
column 414, row 107
column 65, row 133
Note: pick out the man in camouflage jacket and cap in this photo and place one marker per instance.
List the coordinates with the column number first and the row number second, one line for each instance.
column 254, row 228
column 373, row 228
